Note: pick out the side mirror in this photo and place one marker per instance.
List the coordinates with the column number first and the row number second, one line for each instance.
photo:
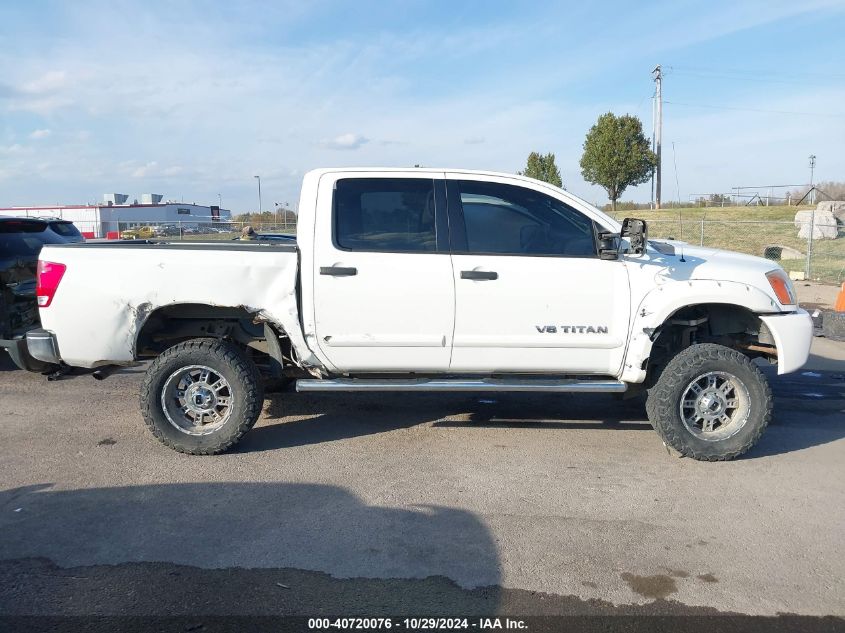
column 637, row 233
column 608, row 245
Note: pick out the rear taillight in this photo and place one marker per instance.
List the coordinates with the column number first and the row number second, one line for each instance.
column 49, row 276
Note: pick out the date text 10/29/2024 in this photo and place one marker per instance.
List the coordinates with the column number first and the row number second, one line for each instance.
column 416, row 624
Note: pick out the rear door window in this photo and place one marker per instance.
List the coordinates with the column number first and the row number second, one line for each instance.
column 385, row 214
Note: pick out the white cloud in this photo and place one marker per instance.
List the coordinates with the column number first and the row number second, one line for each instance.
column 48, row 92
column 175, row 170
column 345, row 141
column 145, row 170
column 51, row 81
column 206, row 120
column 39, row 134
column 152, row 170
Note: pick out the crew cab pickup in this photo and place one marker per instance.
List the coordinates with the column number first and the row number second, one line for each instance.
column 428, row 280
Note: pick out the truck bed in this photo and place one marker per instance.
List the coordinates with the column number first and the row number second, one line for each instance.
column 110, row 289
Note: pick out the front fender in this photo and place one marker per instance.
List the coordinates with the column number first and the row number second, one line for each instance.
column 665, row 300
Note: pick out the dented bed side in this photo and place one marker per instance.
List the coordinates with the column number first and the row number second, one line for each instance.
column 109, row 290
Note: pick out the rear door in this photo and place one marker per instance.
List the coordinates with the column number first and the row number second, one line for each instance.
column 384, row 298
column 531, row 293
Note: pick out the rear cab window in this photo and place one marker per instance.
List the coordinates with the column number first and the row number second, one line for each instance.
column 385, row 214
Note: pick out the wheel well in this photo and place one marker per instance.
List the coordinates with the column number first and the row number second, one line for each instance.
column 173, row 324
column 725, row 324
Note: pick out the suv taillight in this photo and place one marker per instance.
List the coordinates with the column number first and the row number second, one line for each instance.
column 49, row 276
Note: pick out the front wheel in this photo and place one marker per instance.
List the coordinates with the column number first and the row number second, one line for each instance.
column 710, row 403
column 201, row 396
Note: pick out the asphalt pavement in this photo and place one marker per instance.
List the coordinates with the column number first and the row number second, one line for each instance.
column 393, row 503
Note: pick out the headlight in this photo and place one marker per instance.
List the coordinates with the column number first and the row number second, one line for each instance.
column 782, row 285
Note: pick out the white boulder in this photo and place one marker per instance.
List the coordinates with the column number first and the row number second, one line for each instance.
column 836, row 207
column 823, row 221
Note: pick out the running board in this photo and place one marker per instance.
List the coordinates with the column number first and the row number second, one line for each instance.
column 464, row 384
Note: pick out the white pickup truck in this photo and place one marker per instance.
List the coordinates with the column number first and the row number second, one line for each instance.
column 427, row 280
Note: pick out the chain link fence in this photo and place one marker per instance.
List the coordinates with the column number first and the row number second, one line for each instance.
column 188, row 230
column 818, row 253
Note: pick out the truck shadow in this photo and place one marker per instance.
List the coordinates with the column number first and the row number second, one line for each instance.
column 807, row 413
column 298, row 419
column 216, row 547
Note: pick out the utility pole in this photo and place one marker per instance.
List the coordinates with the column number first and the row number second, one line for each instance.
column 651, row 205
column 658, row 95
column 259, row 193
column 812, row 169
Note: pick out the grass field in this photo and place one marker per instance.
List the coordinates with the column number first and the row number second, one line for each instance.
column 748, row 230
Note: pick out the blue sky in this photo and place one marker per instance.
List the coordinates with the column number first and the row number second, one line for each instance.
column 191, row 99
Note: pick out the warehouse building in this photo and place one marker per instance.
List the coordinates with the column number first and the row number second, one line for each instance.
column 116, row 214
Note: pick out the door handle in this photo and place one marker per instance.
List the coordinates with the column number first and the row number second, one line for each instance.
column 479, row 274
column 338, row 271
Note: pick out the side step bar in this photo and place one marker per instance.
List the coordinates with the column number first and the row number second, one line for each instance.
column 464, row 384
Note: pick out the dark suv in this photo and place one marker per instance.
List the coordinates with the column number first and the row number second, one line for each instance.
column 21, row 240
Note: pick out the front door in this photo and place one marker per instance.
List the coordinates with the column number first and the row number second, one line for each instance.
column 383, row 291
column 531, row 293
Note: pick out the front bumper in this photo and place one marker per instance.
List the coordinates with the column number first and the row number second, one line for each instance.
column 36, row 351
column 793, row 334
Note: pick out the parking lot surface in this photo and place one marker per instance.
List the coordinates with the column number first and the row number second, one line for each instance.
column 396, row 503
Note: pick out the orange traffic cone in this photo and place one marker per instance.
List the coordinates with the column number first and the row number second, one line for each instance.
column 839, row 306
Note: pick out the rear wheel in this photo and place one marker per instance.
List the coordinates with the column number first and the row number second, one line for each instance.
column 710, row 403
column 201, row 396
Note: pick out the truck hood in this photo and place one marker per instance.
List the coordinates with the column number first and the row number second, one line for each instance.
column 698, row 262
column 714, row 263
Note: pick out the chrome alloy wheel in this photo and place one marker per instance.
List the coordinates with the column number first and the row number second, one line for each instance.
column 197, row 400
column 715, row 406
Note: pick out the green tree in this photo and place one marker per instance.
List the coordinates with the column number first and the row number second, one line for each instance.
column 542, row 168
column 617, row 155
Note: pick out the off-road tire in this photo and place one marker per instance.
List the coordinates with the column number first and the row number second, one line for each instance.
column 227, row 359
column 664, row 399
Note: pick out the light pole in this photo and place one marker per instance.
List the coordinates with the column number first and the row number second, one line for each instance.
column 258, row 178
column 812, row 169
column 219, row 200
column 276, row 204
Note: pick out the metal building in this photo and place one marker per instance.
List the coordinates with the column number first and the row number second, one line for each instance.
column 115, row 214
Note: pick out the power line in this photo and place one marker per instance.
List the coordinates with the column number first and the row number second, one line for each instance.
column 741, row 78
column 718, row 107
column 750, row 72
